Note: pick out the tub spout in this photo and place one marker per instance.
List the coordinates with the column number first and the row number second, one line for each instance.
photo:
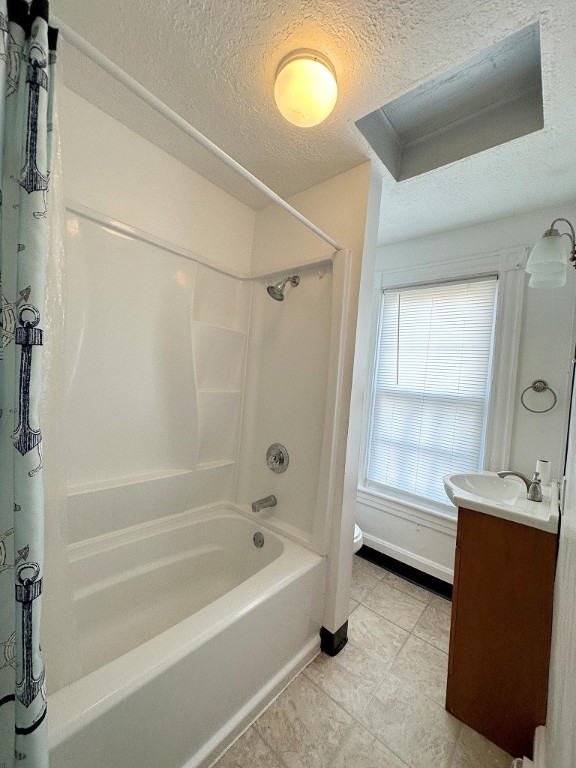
column 269, row 501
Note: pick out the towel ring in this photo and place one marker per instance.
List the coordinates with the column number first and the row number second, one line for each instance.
column 539, row 386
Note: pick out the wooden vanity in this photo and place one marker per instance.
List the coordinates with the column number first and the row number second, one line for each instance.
column 501, row 628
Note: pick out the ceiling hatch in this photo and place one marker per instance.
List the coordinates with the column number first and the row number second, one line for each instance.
column 491, row 99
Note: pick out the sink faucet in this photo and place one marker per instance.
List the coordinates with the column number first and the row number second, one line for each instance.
column 269, row 501
column 533, row 487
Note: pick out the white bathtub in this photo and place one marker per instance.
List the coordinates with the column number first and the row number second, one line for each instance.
column 186, row 632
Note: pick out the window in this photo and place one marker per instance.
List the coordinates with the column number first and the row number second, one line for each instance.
column 429, row 404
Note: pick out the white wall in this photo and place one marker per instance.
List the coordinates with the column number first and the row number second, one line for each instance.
column 337, row 206
column 345, row 207
column 545, row 348
column 546, row 351
column 155, row 342
column 113, row 170
column 155, row 373
column 145, row 419
column 286, row 385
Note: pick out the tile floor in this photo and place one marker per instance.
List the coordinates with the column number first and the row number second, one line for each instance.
column 380, row 702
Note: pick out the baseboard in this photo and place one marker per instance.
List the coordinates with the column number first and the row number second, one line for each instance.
column 416, row 576
column 417, row 562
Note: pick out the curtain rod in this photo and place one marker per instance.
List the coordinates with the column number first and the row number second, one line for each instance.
column 133, row 85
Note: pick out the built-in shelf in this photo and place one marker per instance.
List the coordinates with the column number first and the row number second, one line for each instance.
column 224, row 328
column 116, row 482
column 219, row 391
column 219, row 464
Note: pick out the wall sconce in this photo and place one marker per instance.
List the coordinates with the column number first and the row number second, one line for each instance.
column 305, row 89
column 548, row 260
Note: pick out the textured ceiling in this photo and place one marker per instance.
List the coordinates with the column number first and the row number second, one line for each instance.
column 214, row 62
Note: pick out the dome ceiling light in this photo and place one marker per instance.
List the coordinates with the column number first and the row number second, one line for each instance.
column 305, row 89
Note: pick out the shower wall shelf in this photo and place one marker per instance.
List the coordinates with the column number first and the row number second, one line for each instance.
column 219, row 327
column 206, row 465
column 209, row 391
column 118, row 482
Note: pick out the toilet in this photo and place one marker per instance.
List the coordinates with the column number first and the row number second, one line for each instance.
column 358, row 539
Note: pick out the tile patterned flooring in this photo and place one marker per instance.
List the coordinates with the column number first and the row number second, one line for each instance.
column 380, row 702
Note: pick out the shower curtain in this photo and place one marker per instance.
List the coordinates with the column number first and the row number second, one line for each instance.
column 27, row 58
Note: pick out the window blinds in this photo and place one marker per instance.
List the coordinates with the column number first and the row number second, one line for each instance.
column 431, row 384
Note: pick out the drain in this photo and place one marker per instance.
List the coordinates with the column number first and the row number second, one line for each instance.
column 258, row 539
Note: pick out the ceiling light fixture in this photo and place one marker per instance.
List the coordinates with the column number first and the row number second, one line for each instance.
column 305, row 89
column 549, row 258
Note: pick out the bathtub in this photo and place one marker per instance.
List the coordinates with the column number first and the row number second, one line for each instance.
column 186, row 632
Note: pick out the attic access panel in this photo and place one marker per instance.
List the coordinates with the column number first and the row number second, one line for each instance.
column 492, row 98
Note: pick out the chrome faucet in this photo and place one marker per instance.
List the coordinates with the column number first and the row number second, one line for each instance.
column 533, row 487
column 269, row 501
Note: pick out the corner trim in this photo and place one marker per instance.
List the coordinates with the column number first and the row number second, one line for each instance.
column 333, row 642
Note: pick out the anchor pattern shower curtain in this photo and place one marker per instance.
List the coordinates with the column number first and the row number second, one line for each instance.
column 27, row 58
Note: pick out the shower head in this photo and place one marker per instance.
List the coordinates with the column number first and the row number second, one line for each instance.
column 277, row 290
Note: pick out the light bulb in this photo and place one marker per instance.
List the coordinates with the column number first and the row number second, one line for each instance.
column 305, row 89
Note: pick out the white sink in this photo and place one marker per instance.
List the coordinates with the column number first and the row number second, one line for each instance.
column 486, row 485
column 503, row 497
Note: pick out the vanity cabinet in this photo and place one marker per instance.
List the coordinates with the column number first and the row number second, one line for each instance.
column 501, row 628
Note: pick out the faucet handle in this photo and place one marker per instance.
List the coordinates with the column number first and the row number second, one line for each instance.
column 277, row 458
column 535, row 489
column 273, row 462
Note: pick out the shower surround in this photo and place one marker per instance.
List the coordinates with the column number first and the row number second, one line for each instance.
column 181, row 371
column 174, row 607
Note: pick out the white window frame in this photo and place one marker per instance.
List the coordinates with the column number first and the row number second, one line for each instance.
column 509, row 266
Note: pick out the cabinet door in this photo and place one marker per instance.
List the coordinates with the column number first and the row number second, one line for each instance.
column 502, row 623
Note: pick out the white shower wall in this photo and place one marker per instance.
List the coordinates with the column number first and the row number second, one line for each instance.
column 286, row 383
column 156, row 341
column 348, row 207
column 112, row 169
column 155, row 378
column 181, row 371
